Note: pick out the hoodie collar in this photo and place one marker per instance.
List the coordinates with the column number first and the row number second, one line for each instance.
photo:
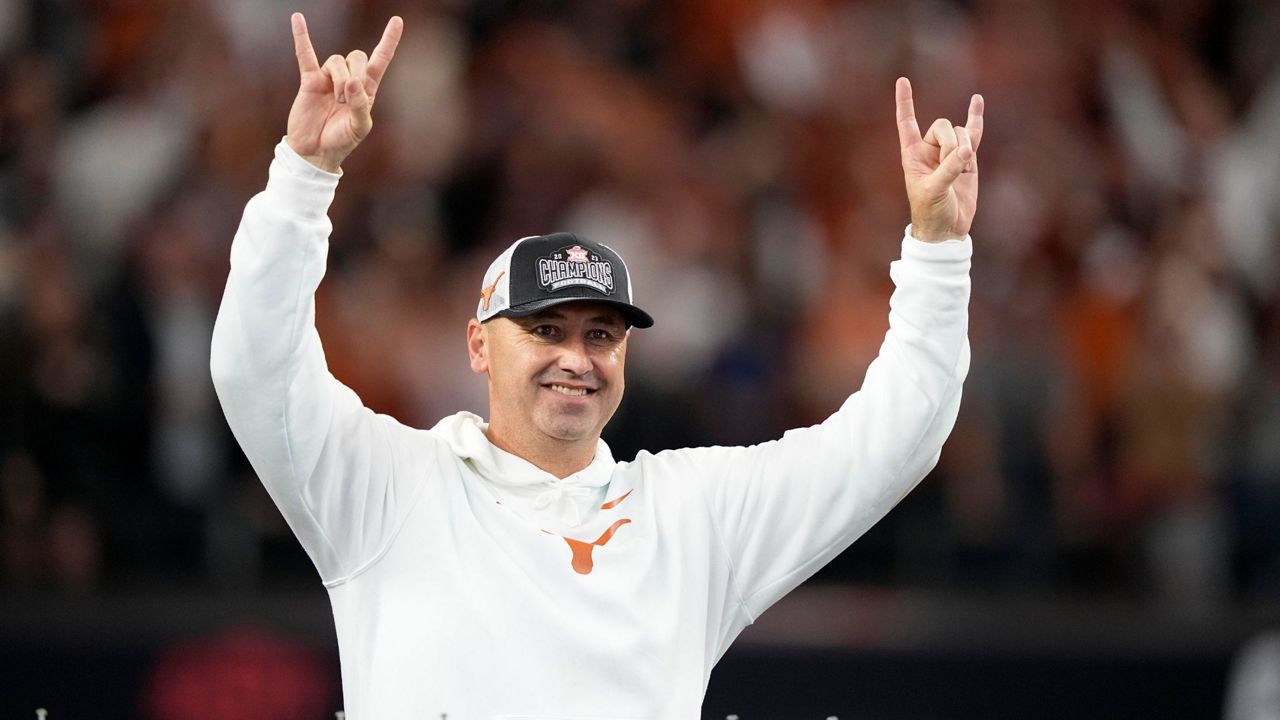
column 515, row 478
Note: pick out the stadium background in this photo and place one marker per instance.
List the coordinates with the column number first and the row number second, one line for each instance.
column 1100, row 539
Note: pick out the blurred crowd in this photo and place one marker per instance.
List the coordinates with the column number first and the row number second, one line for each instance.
column 1120, row 431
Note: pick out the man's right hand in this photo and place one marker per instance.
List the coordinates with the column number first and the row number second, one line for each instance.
column 331, row 114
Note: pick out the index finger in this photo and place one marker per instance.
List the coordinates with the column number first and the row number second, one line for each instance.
column 974, row 124
column 908, row 128
column 307, row 61
column 385, row 50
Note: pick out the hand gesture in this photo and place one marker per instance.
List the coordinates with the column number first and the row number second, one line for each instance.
column 331, row 114
column 941, row 169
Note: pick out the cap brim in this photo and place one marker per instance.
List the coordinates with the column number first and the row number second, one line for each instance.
column 634, row 316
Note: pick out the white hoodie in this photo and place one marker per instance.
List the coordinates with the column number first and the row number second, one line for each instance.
column 466, row 581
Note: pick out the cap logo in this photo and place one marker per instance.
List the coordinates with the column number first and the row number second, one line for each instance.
column 575, row 266
column 487, row 293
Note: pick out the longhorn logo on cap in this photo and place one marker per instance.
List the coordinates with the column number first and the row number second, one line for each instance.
column 487, row 293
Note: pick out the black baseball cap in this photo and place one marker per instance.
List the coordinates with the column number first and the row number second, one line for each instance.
column 541, row 271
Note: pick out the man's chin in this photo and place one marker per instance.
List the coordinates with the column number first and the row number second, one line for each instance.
column 570, row 430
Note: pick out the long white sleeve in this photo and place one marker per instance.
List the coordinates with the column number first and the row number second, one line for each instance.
column 325, row 459
column 783, row 509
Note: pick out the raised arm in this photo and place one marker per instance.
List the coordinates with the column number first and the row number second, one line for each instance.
column 318, row 451
column 785, row 508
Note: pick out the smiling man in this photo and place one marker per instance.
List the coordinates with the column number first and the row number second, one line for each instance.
column 554, row 362
column 511, row 568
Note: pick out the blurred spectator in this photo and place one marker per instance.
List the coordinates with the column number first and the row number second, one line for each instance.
column 23, row 502
column 1118, row 427
column 40, row 546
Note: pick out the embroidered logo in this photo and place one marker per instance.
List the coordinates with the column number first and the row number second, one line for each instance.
column 616, row 501
column 575, row 267
column 580, row 550
column 582, row 562
column 487, row 293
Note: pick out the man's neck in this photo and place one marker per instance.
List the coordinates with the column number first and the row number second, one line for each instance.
column 561, row 458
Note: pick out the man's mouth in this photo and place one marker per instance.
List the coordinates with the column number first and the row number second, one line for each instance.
column 570, row 391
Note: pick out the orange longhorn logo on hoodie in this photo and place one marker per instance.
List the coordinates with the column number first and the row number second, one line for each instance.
column 582, row 562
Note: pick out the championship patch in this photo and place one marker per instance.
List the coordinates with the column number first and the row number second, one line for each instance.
column 575, row 266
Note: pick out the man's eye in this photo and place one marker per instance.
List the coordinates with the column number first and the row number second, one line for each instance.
column 545, row 330
column 600, row 335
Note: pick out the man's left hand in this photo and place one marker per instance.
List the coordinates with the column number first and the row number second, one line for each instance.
column 941, row 169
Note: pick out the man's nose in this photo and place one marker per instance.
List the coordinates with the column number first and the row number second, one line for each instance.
column 574, row 357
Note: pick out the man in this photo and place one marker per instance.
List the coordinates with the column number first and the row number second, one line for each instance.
column 512, row 568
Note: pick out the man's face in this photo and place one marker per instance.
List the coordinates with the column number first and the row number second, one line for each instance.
column 557, row 373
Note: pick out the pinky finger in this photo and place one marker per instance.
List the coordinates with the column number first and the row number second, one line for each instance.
column 977, row 106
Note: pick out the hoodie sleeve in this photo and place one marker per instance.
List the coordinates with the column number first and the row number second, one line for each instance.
column 785, row 508
column 328, row 462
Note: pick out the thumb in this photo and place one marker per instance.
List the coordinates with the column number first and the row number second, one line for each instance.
column 359, row 106
column 953, row 165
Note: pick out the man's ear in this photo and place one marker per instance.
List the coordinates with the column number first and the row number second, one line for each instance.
column 477, row 347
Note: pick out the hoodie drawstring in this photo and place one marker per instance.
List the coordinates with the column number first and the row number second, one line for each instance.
column 558, row 492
